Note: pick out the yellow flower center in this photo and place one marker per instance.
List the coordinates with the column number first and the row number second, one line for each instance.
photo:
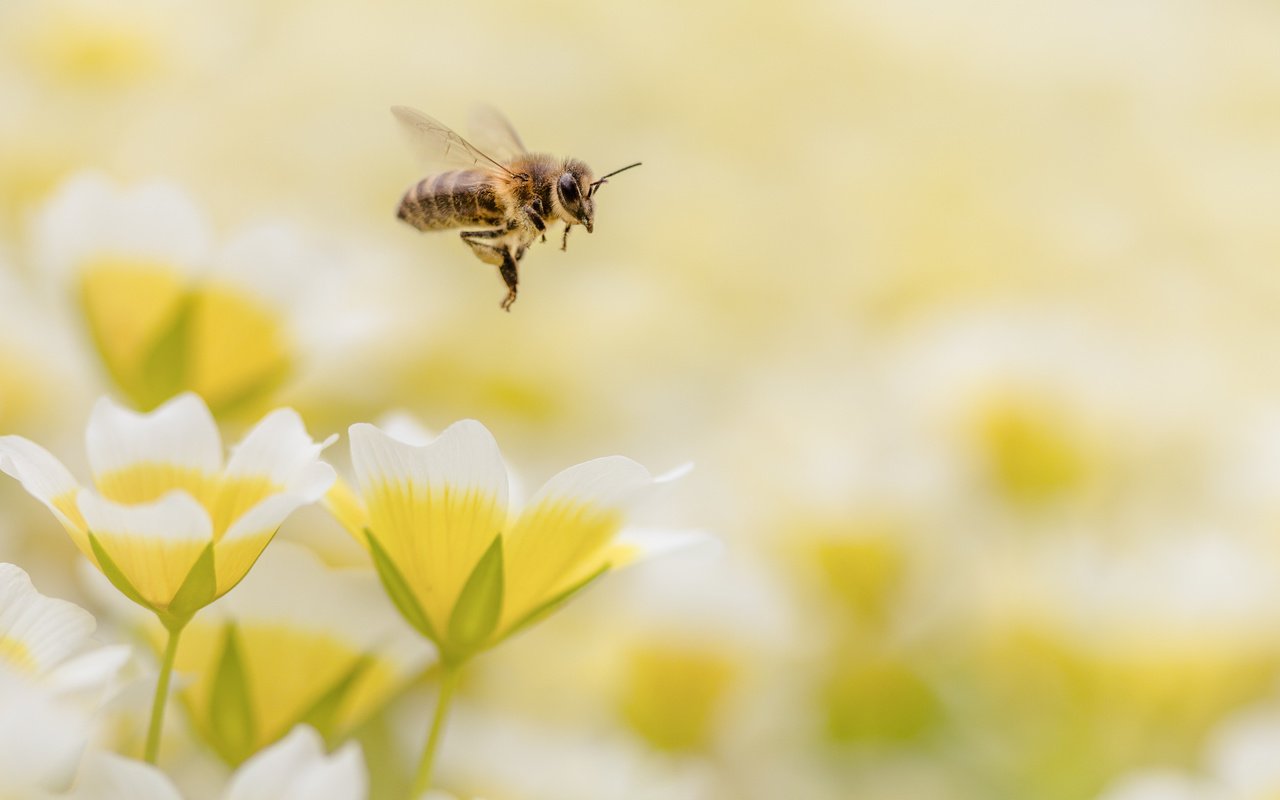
column 1034, row 449
column 93, row 50
column 16, row 654
column 225, row 498
column 671, row 694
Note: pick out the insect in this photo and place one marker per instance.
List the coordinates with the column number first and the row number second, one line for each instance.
column 504, row 195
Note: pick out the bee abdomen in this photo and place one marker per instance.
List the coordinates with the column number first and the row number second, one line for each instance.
column 463, row 198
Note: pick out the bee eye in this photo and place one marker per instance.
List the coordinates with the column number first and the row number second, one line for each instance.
column 569, row 190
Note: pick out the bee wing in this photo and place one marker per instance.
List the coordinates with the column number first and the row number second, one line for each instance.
column 437, row 143
column 495, row 133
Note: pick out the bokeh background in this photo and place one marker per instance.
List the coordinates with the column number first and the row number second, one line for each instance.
column 965, row 312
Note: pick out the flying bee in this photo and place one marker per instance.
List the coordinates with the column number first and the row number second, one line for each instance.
column 506, row 196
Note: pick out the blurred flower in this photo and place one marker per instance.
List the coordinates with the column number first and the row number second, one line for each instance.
column 171, row 524
column 1241, row 765
column 294, row 769
column 39, row 635
column 327, row 652
column 672, row 693
column 466, row 575
column 41, row 738
column 44, row 726
column 81, row 44
column 166, row 312
column 298, row 769
column 37, row 632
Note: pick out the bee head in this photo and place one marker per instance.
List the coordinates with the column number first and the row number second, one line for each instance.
column 573, row 191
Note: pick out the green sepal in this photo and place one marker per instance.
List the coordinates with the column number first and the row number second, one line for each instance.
column 398, row 589
column 164, row 369
column 551, row 606
column 232, row 727
column 198, row 589
column 323, row 713
column 479, row 605
column 113, row 573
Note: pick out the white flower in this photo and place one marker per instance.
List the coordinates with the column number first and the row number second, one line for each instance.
column 39, row 636
column 168, row 521
column 462, row 568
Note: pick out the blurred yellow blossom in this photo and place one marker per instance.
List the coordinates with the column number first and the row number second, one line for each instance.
column 672, row 694
column 329, row 652
column 166, row 311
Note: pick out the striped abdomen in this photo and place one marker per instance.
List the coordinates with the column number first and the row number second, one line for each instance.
column 458, row 199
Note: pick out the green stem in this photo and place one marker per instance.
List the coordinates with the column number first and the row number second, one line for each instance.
column 162, row 694
column 448, row 682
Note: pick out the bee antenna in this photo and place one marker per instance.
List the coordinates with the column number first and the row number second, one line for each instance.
column 600, row 182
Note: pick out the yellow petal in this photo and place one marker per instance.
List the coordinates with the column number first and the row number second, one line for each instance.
column 239, row 348
column 562, row 538
column 345, row 506
column 154, row 544
column 47, row 480
column 128, row 304
column 434, row 509
column 146, row 483
column 553, row 546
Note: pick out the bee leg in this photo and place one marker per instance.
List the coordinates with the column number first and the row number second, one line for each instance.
column 564, row 243
column 535, row 219
column 510, row 277
column 483, row 250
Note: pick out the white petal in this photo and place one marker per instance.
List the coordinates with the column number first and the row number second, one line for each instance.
column 179, row 433
column 278, row 448
column 177, row 516
column 92, row 217
column 92, row 672
column 340, row 777
column 653, row 542
column 675, row 473
column 464, row 457
column 106, row 776
column 293, row 259
column 295, row 765
column 404, row 427
column 1160, row 785
column 47, row 630
column 41, row 739
column 155, row 545
column 308, row 485
column 39, row 472
column 607, row 482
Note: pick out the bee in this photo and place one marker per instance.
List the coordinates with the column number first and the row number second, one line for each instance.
column 505, row 197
